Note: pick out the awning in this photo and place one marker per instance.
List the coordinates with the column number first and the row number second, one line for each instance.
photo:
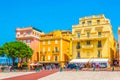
column 35, row 64
column 89, row 60
column 99, row 60
column 79, row 60
column 32, row 64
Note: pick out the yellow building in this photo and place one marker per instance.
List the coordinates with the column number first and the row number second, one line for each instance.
column 55, row 47
column 93, row 38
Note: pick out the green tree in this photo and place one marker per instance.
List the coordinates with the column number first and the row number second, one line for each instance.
column 17, row 50
column 25, row 52
column 1, row 51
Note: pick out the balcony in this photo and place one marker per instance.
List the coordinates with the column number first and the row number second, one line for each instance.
column 55, row 52
column 26, row 36
column 99, row 46
column 90, row 37
column 87, row 46
column 43, row 52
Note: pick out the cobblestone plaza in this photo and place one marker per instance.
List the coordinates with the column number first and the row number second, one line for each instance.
column 83, row 75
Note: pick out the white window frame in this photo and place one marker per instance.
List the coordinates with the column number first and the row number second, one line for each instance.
column 49, row 57
column 48, row 49
column 56, row 41
column 28, row 41
column 18, row 33
column 48, row 41
column 43, row 42
column 24, row 41
column 43, row 49
column 24, row 33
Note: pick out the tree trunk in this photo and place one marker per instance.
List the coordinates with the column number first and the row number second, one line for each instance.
column 26, row 59
column 13, row 61
column 21, row 60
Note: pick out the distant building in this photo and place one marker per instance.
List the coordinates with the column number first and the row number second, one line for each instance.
column 31, row 37
column 4, row 60
column 93, row 39
column 119, row 44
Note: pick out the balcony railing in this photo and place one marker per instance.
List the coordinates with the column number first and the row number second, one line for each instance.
column 93, row 23
column 77, row 57
column 78, row 47
column 43, row 52
column 87, row 46
column 91, row 37
column 55, row 52
column 25, row 36
column 99, row 46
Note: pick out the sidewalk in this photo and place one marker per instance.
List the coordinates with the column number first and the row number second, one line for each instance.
column 4, row 75
column 83, row 75
column 32, row 76
column 96, row 69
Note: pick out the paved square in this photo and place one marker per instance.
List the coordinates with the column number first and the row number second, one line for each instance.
column 83, row 75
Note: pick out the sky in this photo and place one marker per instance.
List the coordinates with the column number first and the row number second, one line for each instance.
column 50, row 15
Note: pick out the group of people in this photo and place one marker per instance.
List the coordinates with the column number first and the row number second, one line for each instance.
column 46, row 66
column 49, row 67
column 89, row 65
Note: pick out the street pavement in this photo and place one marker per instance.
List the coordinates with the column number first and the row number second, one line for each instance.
column 84, row 75
column 64, row 75
column 26, row 75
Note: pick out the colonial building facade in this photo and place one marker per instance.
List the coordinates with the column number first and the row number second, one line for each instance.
column 31, row 37
column 55, row 47
column 93, row 38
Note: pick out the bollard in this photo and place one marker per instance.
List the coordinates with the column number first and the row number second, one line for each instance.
column 112, row 68
column 39, row 69
column 14, row 70
column 60, row 69
column 26, row 69
column 36, row 69
column 93, row 68
column 76, row 68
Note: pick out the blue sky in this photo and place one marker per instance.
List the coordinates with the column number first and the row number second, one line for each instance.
column 49, row 15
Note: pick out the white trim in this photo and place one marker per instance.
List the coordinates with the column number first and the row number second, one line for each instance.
column 43, row 42
column 56, row 41
column 61, row 49
column 48, row 49
column 18, row 33
column 48, row 41
column 39, row 50
column 89, row 60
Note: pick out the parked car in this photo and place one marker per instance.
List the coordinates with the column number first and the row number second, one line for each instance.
column 73, row 66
